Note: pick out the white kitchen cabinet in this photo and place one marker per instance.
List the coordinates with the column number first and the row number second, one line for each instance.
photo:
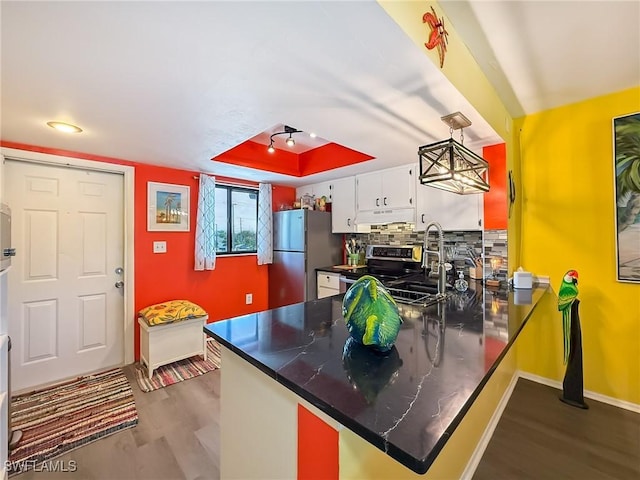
column 317, row 190
column 304, row 190
column 343, row 207
column 391, row 188
column 328, row 284
column 452, row 211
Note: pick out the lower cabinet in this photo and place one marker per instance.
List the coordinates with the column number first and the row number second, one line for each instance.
column 328, row 284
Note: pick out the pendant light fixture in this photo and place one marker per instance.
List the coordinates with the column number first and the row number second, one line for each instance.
column 449, row 165
column 289, row 141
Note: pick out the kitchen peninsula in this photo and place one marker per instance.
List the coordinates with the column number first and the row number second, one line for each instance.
column 393, row 415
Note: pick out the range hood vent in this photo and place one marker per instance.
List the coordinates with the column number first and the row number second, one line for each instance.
column 384, row 216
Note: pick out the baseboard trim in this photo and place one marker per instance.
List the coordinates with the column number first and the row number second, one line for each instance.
column 473, row 462
column 598, row 397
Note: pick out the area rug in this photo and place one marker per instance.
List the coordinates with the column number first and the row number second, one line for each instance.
column 179, row 371
column 65, row 416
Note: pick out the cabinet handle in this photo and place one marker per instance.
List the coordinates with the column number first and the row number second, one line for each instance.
column 384, row 201
column 348, row 222
column 411, row 201
column 377, row 202
column 422, row 218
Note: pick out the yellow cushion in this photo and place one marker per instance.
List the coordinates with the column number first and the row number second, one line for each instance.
column 172, row 311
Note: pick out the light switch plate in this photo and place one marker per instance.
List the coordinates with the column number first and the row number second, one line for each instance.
column 159, row 247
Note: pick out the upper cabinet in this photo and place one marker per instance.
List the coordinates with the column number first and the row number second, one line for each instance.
column 390, row 188
column 450, row 210
column 395, row 195
column 317, row 190
column 341, row 193
column 343, row 207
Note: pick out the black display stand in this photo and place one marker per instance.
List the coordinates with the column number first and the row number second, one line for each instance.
column 572, row 386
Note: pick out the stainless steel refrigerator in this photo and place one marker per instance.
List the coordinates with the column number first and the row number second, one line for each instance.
column 302, row 242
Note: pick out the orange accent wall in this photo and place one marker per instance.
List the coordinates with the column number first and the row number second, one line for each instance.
column 495, row 200
column 327, row 157
column 161, row 277
column 254, row 155
column 318, row 448
column 281, row 195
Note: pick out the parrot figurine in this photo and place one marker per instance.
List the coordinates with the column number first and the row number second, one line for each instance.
column 566, row 296
column 371, row 314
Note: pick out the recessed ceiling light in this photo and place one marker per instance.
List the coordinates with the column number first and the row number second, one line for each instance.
column 64, row 127
column 312, row 135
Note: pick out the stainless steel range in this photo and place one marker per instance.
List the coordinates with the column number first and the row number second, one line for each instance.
column 400, row 270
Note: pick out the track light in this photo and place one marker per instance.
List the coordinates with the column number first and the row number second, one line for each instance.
column 289, row 141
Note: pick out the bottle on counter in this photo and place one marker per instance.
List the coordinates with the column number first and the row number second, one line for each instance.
column 461, row 284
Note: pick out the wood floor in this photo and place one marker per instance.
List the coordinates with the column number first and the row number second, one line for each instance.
column 177, row 437
column 538, row 437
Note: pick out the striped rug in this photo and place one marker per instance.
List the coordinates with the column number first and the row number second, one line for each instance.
column 178, row 371
column 60, row 418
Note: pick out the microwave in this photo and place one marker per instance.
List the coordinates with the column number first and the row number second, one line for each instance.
column 6, row 251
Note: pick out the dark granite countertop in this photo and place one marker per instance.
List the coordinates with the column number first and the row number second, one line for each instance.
column 407, row 403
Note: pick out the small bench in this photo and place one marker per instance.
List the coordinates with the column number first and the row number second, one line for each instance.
column 172, row 333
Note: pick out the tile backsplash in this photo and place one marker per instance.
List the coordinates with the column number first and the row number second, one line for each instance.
column 494, row 243
column 495, row 246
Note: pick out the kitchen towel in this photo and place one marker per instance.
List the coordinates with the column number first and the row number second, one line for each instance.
column 205, row 222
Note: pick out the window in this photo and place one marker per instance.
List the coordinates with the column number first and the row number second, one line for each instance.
column 236, row 219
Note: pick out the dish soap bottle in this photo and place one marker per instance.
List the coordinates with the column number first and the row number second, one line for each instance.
column 461, row 284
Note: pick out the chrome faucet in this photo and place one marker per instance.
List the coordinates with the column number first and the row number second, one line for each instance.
column 442, row 271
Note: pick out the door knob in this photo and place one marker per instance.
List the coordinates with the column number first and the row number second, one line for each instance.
column 119, row 270
column 119, row 284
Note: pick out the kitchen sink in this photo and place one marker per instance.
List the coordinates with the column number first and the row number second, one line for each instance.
column 417, row 287
column 415, row 294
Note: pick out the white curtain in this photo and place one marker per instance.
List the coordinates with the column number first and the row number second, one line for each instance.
column 205, row 224
column 265, row 225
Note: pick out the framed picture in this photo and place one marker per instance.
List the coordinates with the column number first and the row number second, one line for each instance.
column 167, row 207
column 626, row 145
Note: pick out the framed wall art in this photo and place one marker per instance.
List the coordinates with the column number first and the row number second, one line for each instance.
column 167, row 207
column 626, row 145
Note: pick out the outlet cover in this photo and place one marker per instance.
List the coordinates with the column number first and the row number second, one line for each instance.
column 249, row 298
column 159, row 247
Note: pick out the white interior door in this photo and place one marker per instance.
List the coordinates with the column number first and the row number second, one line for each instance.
column 65, row 311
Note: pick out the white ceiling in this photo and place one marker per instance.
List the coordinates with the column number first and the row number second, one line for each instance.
column 177, row 83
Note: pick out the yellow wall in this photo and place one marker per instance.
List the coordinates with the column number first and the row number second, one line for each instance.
column 568, row 222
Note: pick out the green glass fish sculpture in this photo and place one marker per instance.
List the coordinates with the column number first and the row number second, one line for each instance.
column 371, row 314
